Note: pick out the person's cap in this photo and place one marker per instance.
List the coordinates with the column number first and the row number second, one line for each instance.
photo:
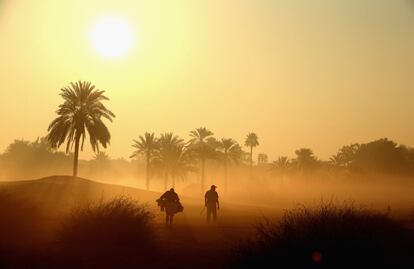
column 172, row 189
column 213, row 186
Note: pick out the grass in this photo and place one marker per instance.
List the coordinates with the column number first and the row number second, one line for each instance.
column 120, row 221
column 328, row 236
column 120, row 232
column 105, row 234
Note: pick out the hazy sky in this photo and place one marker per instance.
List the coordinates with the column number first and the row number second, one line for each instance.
column 299, row 73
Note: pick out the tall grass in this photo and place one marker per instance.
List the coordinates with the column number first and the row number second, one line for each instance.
column 117, row 231
column 118, row 222
column 329, row 236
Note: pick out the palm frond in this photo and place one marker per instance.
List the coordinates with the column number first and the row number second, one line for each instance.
column 81, row 112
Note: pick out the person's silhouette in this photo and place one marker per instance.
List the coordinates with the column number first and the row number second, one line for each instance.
column 170, row 202
column 212, row 203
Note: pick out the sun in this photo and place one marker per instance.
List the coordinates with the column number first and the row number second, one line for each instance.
column 111, row 37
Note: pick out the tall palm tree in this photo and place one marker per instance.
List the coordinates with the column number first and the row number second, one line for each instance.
column 147, row 146
column 231, row 152
column 82, row 112
column 203, row 145
column 251, row 141
column 166, row 155
column 181, row 163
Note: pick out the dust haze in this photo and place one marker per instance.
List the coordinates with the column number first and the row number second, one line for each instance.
column 206, row 134
column 378, row 181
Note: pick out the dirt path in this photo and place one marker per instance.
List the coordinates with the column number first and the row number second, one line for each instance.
column 191, row 243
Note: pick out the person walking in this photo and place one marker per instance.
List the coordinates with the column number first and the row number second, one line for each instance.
column 170, row 203
column 212, row 203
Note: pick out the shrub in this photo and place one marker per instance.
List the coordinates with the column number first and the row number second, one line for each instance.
column 116, row 223
column 19, row 220
column 328, row 236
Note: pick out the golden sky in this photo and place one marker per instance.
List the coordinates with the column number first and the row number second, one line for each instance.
column 299, row 73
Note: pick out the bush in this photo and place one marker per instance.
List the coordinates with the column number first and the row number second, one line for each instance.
column 116, row 223
column 20, row 220
column 329, row 236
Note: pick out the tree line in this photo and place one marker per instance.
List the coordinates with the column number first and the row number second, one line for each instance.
column 379, row 156
column 172, row 158
column 169, row 156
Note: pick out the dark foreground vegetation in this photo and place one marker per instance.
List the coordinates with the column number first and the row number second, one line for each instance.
column 52, row 223
column 32, row 236
column 91, row 235
column 115, row 218
column 122, row 233
column 329, row 236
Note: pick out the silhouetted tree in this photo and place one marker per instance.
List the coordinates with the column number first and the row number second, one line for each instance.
column 409, row 153
column 146, row 145
column 335, row 160
column 252, row 141
column 100, row 164
column 41, row 144
column 19, row 148
column 101, row 157
column 166, row 155
column 345, row 156
column 305, row 160
column 81, row 113
column 203, row 145
column 181, row 163
column 262, row 159
column 384, row 156
column 231, row 152
column 281, row 166
column 32, row 159
column 282, row 163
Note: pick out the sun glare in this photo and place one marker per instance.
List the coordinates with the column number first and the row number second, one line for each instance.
column 111, row 37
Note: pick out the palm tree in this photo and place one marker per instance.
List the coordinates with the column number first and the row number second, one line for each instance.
column 166, row 155
column 203, row 145
column 305, row 159
column 81, row 113
column 231, row 152
column 146, row 145
column 200, row 135
column 100, row 164
column 101, row 157
column 282, row 163
column 252, row 141
column 281, row 166
column 335, row 160
column 181, row 163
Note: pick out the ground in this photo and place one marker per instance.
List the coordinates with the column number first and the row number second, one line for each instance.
column 189, row 243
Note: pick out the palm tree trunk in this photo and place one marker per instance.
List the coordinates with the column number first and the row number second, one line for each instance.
column 225, row 175
column 251, row 156
column 76, row 156
column 203, row 163
column 148, row 173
